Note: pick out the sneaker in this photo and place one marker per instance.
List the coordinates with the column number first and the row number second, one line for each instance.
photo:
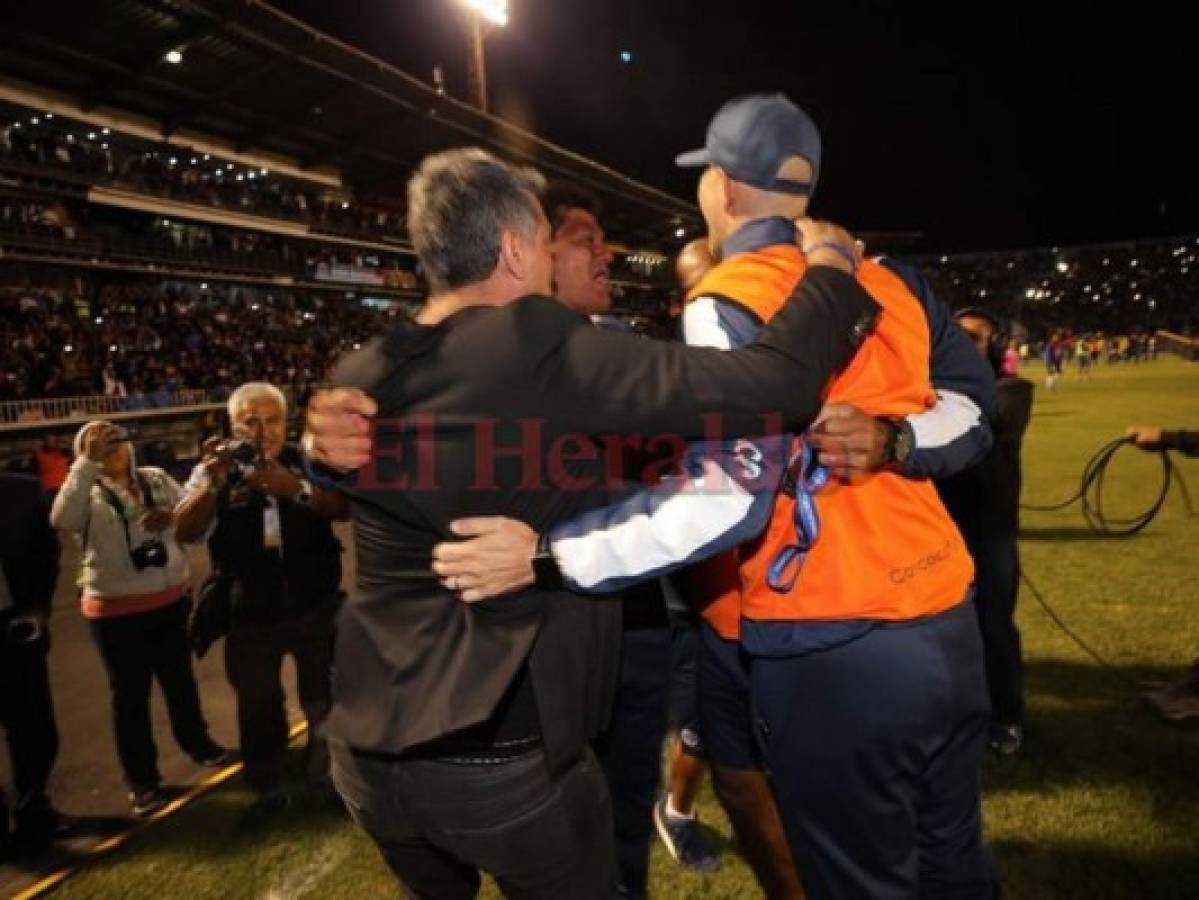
column 1176, row 701
column 684, row 840
column 1006, row 738
column 147, row 802
column 213, row 756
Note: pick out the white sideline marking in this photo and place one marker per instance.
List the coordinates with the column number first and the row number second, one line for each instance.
column 300, row 881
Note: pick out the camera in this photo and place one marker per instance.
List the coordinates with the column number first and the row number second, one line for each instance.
column 151, row 554
column 243, row 456
column 24, row 630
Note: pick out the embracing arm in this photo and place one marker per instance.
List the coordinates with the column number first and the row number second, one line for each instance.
column 615, row 383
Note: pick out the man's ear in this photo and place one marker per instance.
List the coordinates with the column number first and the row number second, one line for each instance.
column 514, row 254
column 727, row 192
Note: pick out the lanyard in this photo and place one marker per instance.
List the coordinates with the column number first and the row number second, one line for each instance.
column 804, row 478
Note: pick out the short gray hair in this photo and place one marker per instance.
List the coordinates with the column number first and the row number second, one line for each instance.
column 255, row 390
column 459, row 204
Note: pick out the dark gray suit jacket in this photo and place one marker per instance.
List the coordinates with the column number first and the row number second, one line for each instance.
column 476, row 417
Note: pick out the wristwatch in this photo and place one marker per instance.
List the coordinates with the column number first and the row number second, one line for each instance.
column 901, row 441
column 304, row 495
column 546, row 574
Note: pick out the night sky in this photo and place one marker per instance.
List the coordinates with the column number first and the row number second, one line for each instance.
column 1013, row 126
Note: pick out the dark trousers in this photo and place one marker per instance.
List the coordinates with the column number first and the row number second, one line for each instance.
column 253, row 664
column 137, row 649
column 874, row 750
column 27, row 715
column 437, row 824
column 683, row 708
column 630, row 751
column 997, row 576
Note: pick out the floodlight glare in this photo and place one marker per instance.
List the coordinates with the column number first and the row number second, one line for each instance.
column 494, row 11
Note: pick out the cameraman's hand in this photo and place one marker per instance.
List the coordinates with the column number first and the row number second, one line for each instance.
column 157, row 520
column 216, row 462
column 99, row 440
column 337, row 429
column 271, row 478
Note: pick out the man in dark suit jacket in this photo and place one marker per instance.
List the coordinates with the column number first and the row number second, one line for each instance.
column 460, row 732
column 28, row 571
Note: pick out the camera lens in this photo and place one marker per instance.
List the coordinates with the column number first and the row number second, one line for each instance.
column 24, row 631
column 151, row 554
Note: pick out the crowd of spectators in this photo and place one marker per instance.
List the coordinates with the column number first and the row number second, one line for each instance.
column 115, row 233
column 144, row 343
column 1117, row 288
column 100, row 156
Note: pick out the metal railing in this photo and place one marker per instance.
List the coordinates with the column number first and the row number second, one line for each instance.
column 74, row 408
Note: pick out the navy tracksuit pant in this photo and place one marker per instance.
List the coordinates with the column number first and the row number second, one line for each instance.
column 874, row 751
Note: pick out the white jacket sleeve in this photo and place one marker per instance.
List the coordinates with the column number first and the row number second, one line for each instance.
column 722, row 496
column 73, row 504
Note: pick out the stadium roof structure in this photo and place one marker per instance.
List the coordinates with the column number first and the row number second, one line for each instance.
column 262, row 85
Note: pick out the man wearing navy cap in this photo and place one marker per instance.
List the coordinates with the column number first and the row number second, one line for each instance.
column 852, row 838
column 765, row 142
column 762, row 155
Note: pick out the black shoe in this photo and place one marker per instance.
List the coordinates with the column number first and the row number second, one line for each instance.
column 41, row 825
column 147, row 801
column 213, row 756
column 1006, row 738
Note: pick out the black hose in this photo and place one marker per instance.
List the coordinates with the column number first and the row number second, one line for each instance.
column 1090, row 492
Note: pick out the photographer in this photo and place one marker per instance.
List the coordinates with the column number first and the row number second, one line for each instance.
column 28, row 570
column 268, row 530
column 133, row 592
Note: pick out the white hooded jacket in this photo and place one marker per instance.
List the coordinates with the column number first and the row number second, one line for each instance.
column 106, row 569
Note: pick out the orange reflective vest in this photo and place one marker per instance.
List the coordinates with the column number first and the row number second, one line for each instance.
column 887, row 548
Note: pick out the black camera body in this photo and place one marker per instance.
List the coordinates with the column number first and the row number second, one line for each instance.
column 151, row 554
column 244, row 456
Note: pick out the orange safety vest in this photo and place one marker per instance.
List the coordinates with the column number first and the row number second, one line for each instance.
column 887, row 548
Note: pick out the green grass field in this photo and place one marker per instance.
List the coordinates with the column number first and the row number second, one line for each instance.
column 1100, row 804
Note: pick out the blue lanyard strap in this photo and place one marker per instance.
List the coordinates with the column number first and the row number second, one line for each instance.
column 804, row 478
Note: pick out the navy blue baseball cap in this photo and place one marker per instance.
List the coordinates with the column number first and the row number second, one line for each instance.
column 751, row 137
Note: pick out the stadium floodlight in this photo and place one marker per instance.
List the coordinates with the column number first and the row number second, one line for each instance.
column 174, row 57
column 484, row 15
column 494, row 11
